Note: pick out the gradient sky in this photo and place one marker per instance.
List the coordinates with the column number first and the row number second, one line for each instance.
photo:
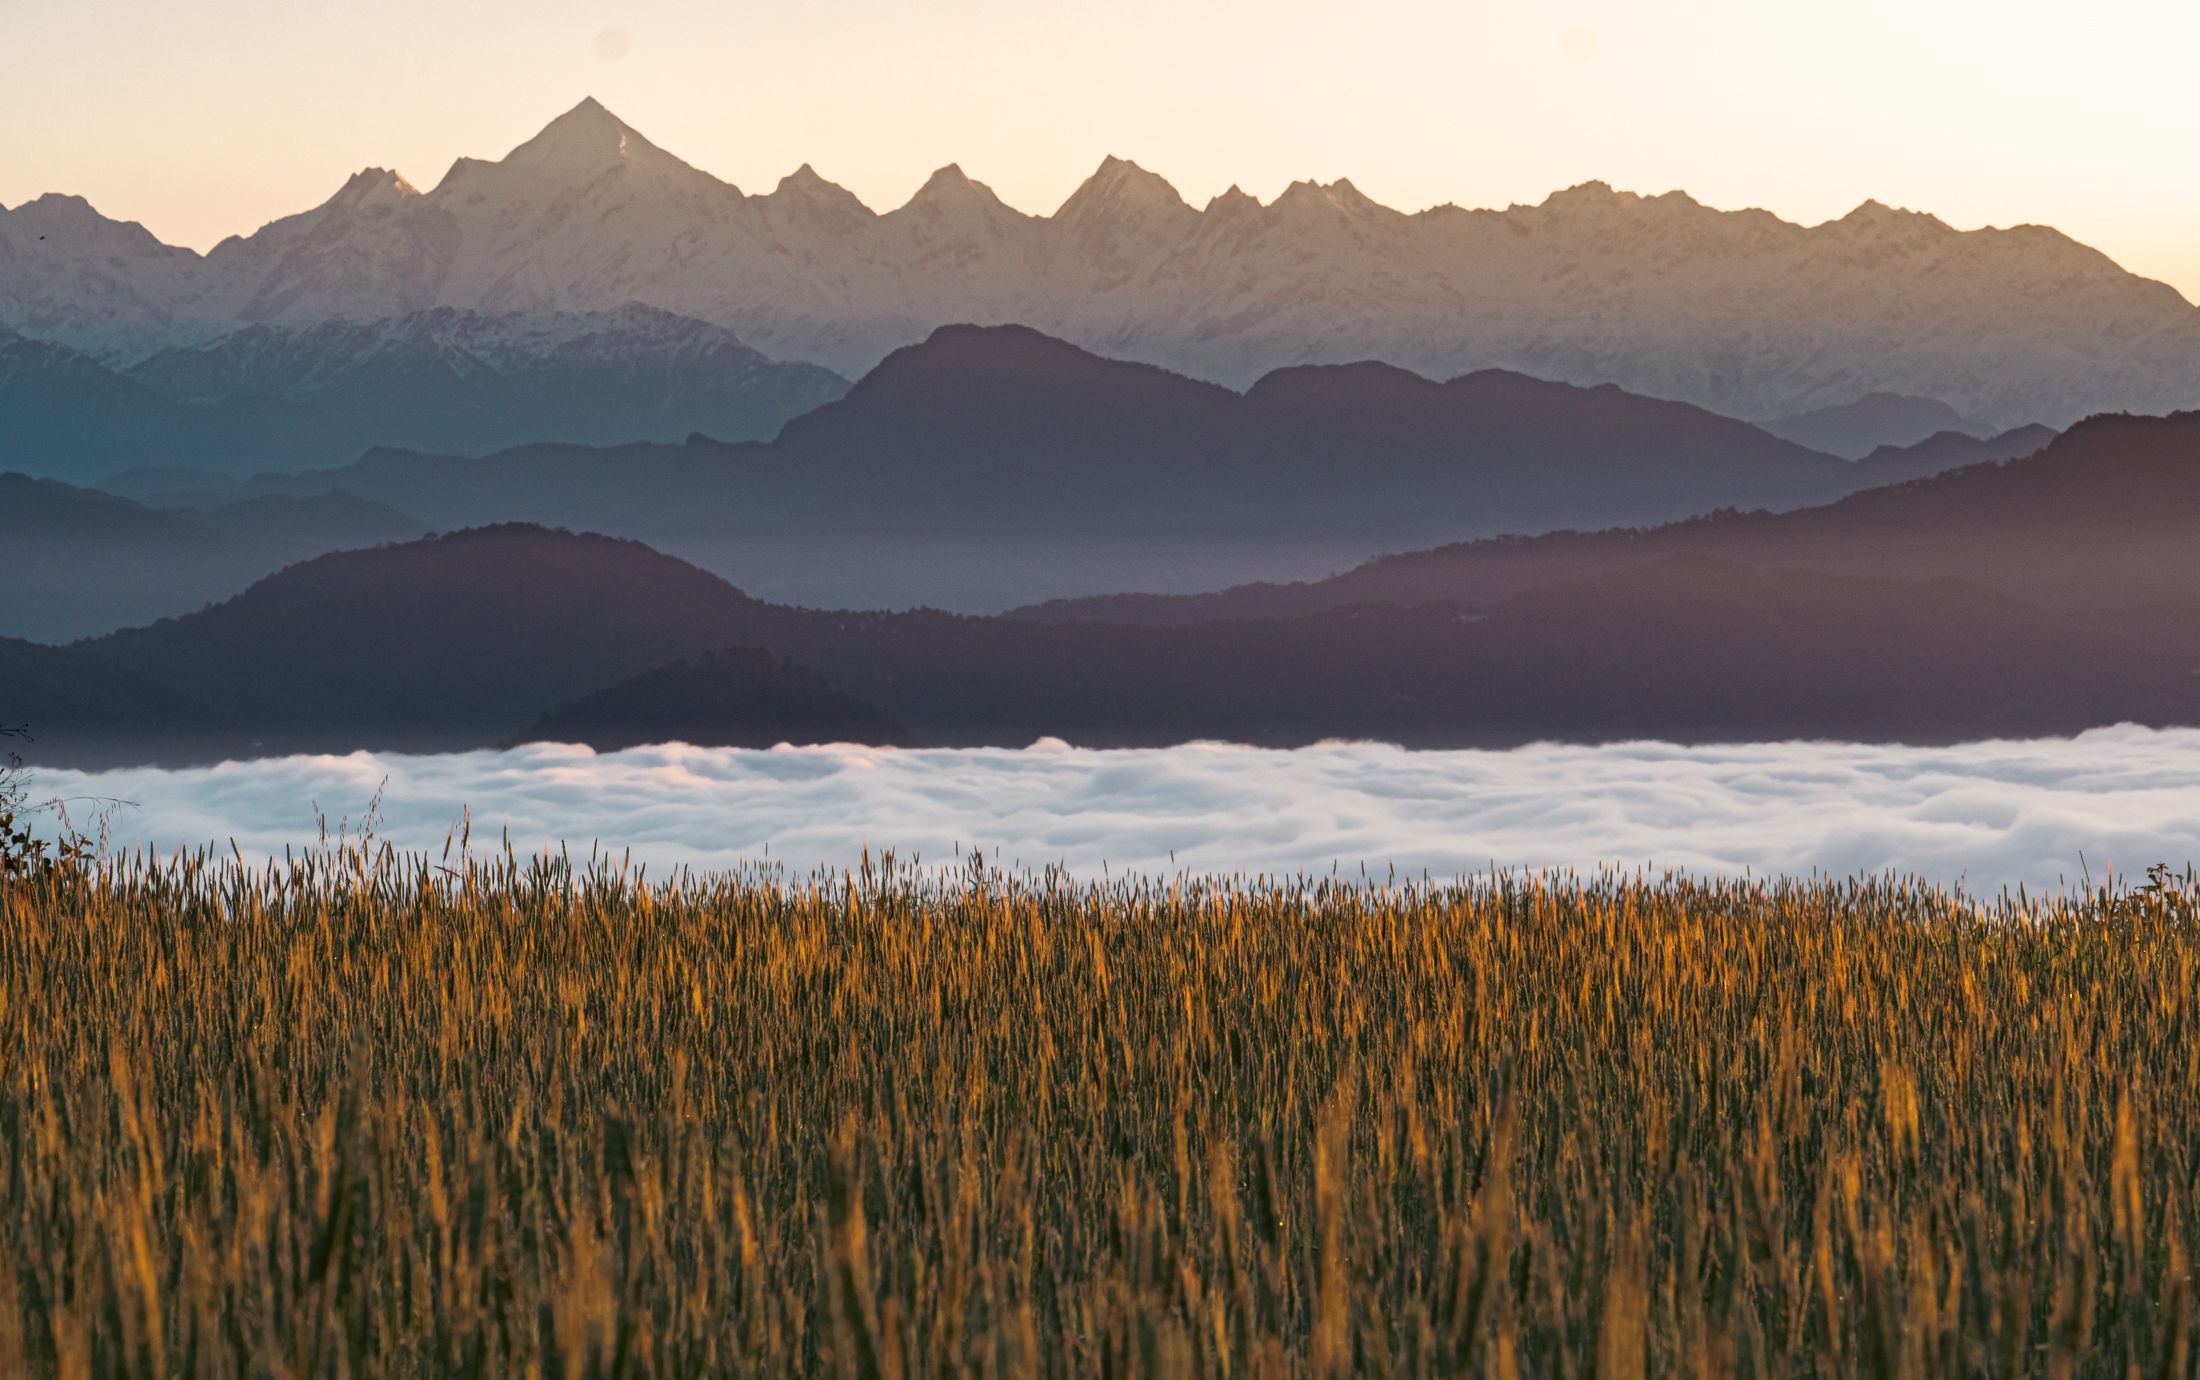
column 209, row 118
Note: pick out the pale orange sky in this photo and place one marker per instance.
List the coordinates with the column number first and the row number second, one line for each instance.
column 212, row 118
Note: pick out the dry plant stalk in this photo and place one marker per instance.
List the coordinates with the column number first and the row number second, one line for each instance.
column 366, row 1115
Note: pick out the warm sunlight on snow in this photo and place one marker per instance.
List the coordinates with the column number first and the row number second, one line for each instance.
column 1982, row 112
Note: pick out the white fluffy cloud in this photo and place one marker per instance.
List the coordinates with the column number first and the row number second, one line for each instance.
column 1984, row 815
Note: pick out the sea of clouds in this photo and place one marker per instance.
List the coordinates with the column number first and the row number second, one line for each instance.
column 1984, row 816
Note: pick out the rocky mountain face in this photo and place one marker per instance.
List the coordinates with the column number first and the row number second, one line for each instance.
column 1737, row 311
column 69, row 274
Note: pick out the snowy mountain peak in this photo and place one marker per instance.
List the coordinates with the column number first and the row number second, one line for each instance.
column 1874, row 215
column 589, row 122
column 1587, row 198
column 372, row 187
column 586, row 152
column 1600, row 209
column 1335, row 198
column 948, row 181
column 950, row 190
column 1118, row 188
column 583, row 144
column 1678, row 200
column 805, row 202
column 59, row 208
column 75, row 223
column 804, row 184
column 585, row 136
column 1233, row 202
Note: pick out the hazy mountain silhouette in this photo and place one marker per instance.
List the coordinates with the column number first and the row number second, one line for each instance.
column 168, row 487
column 739, row 697
column 445, row 642
column 1734, row 310
column 1876, row 421
column 484, row 636
column 81, row 562
column 2097, row 524
column 1686, row 650
column 63, row 413
column 93, row 710
column 1948, row 450
column 992, row 466
column 277, row 398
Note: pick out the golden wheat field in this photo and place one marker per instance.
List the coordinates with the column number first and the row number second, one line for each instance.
column 366, row 1115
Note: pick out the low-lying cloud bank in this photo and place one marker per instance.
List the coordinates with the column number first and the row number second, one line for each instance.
column 1985, row 815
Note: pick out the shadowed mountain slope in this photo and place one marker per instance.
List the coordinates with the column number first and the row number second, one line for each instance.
column 1948, row 450
column 1856, row 429
column 484, row 636
column 79, row 707
column 2101, row 519
column 80, row 562
column 738, row 697
column 464, row 638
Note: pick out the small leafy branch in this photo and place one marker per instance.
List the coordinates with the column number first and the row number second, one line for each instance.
column 22, row 851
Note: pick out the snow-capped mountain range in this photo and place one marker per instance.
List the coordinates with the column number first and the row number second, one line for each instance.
column 1738, row 311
